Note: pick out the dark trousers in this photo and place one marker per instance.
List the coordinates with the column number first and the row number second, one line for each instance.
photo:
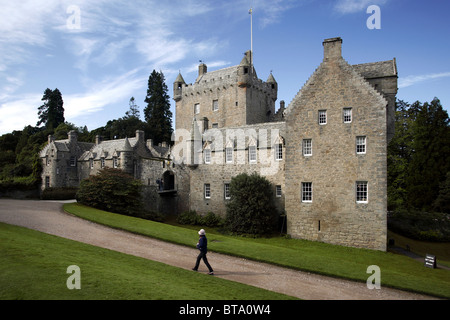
column 202, row 255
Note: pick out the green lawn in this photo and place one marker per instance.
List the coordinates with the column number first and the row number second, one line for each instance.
column 33, row 266
column 396, row 270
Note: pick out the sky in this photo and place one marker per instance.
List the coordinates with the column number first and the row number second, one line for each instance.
column 100, row 53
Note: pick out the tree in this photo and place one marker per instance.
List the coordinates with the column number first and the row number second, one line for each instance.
column 51, row 113
column 112, row 190
column 133, row 111
column 418, row 155
column 157, row 112
column 251, row 209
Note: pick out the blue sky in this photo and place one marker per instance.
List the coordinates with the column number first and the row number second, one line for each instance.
column 99, row 53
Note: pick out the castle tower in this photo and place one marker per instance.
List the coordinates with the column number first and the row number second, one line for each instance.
column 229, row 97
column 126, row 157
column 178, row 87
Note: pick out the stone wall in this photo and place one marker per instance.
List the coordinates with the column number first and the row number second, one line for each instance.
column 334, row 215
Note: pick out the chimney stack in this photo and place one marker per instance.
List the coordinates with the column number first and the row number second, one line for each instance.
column 332, row 48
column 202, row 69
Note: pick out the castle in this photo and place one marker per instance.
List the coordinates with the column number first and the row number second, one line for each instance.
column 325, row 153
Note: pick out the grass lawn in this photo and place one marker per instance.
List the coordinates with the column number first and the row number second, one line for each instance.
column 396, row 270
column 33, row 266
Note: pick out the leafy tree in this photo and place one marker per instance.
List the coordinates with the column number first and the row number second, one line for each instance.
column 251, row 209
column 157, row 112
column 112, row 190
column 51, row 113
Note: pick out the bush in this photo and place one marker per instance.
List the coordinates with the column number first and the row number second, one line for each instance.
column 189, row 218
column 192, row 218
column 112, row 190
column 251, row 209
column 211, row 220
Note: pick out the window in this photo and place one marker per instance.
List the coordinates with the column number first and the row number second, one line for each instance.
column 91, row 163
column 322, row 116
column 47, row 181
column 361, row 145
column 229, row 155
column 215, row 125
column 226, row 191
column 102, row 161
column 207, row 156
column 278, row 191
column 73, row 161
column 207, row 191
column 307, row 147
column 115, row 162
column 47, row 161
column 215, row 105
column 347, row 115
column 306, row 191
column 361, row 192
column 196, row 108
column 279, row 151
column 252, row 154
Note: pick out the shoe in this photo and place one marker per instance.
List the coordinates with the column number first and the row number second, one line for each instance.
column 211, row 273
column 193, row 269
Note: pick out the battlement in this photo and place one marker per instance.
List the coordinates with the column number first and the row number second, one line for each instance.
column 230, row 96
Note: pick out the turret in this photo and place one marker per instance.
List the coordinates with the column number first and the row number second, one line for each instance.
column 126, row 157
column 273, row 87
column 245, row 70
column 178, row 87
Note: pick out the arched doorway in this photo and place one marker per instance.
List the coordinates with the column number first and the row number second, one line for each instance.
column 168, row 181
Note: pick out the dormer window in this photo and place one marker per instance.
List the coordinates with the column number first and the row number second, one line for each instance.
column 73, row 161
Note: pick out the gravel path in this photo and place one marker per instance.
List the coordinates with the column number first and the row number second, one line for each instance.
column 48, row 217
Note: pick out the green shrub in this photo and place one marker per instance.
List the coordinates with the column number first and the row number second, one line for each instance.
column 251, row 209
column 189, row 218
column 211, row 220
column 112, row 190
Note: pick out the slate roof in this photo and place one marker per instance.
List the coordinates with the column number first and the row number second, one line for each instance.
column 377, row 69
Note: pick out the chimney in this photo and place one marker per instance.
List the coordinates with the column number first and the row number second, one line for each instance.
column 50, row 138
column 202, row 69
column 140, row 135
column 332, row 48
column 98, row 139
column 72, row 136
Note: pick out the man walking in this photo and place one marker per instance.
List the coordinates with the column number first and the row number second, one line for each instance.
column 202, row 245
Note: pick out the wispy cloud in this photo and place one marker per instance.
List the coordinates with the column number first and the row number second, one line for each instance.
column 352, row 6
column 106, row 92
column 18, row 113
column 415, row 79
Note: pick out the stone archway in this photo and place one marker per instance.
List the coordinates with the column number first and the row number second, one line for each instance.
column 168, row 179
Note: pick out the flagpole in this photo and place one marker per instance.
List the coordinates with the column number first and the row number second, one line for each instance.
column 251, row 38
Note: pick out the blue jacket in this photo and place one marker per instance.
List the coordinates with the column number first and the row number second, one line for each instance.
column 202, row 244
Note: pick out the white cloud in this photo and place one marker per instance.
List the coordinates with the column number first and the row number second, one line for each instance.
column 105, row 93
column 352, row 6
column 15, row 115
column 412, row 80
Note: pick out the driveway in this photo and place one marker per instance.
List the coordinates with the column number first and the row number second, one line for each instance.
column 48, row 217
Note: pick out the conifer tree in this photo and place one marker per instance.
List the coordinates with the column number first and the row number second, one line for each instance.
column 157, row 112
column 51, row 113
